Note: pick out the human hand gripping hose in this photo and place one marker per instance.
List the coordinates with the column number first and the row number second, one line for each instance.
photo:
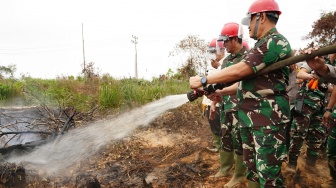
column 209, row 89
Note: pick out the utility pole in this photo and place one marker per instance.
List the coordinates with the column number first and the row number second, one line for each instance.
column 135, row 42
column 84, row 67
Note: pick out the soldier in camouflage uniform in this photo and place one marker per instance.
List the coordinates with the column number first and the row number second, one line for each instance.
column 263, row 104
column 329, row 120
column 307, row 120
column 226, row 159
column 231, row 139
column 215, row 52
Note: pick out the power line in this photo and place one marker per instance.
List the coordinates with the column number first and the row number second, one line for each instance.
column 108, row 42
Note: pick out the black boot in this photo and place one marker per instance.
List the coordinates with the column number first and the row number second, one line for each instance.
column 292, row 163
column 332, row 169
column 311, row 163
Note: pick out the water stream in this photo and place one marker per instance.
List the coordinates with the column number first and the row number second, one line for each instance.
column 80, row 143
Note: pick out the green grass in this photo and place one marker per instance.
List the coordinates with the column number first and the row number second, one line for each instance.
column 84, row 94
column 10, row 89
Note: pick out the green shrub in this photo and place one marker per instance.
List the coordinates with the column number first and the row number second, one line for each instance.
column 110, row 96
column 10, row 88
column 5, row 91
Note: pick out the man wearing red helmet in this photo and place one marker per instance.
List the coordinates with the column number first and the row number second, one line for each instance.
column 215, row 55
column 231, row 139
column 263, row 103
column 226, row 159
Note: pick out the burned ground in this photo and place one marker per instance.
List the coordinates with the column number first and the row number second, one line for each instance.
column 170, row 152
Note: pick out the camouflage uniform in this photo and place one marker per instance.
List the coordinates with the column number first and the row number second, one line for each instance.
column 263, row 111
column 231, row 139
column 331, row 142
column 307, row 124
column 331, row 145
column 292, row 90
column 215, row 124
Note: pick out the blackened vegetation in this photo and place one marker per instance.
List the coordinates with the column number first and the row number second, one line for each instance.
column 45, row 124
column 137, row 162
column 12, row 176
column 84, row 181
column 130, row 163
column 42, row 122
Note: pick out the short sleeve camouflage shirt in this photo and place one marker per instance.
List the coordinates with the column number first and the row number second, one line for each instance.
column 263, row 100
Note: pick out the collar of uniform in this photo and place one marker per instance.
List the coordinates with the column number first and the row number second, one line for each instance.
column 270, row 32
column 238, row 54
column 241, row 51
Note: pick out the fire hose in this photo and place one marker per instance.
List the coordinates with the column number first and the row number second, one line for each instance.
column 295, row 59
column 193, row 95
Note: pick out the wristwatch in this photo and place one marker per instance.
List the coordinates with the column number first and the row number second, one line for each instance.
column 204, row 81
column 328, row 109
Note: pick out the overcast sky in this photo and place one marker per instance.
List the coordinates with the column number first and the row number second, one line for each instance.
column 44, row 37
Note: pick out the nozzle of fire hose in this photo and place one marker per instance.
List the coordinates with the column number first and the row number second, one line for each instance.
column 196, row 93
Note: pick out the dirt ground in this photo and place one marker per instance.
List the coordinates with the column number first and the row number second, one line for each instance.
column 170, row 152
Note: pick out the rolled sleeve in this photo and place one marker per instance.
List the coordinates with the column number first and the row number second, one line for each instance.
column 332, row 71
column 331, row 76
column 305, row 65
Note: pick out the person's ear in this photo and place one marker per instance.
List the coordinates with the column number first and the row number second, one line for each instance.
column 263, row 17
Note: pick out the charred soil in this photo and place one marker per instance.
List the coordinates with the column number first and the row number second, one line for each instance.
column 170, row 152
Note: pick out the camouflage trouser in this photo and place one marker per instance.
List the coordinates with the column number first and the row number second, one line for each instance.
column 264, row 150
column 306, row 126
column 331, row 149
column 215, row 124
column 231, row 139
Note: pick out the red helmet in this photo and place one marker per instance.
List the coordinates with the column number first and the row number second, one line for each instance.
column 260, row 6
column 213, row 43
column 215, row 46
column 245, row 44
column 264, row 6
column 220, row 44
column 229, row 30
